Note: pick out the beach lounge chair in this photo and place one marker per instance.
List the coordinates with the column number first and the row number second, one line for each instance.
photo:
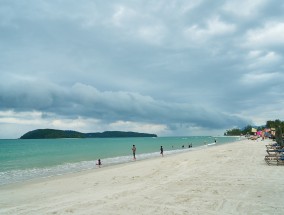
column 270, row 160
column 275, row 151
column 274, row 160
column 273, row 146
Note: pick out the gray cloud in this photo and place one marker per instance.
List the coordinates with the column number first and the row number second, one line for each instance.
column 202, row 65
column 87, row 101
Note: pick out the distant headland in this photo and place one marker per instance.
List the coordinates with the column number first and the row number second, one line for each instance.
column 54, row 133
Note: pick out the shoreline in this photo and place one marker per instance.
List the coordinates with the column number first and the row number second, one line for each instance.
column 229, row 178
column 155, row 155
column 30, row 174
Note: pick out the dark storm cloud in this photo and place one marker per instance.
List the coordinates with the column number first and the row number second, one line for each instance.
column 110, row 106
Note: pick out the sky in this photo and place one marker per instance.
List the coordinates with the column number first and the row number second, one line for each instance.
column 169, row 67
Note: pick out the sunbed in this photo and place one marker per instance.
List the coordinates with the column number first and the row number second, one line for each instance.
column 274, row 160
column 273, row 146
column 275, row 151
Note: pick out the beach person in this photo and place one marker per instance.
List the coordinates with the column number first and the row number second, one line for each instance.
column 134, row 152
column 162, row 151
column 99, row 163
column 215, row 140
column 262, row 135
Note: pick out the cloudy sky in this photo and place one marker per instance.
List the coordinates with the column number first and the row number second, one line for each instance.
column 170, row 67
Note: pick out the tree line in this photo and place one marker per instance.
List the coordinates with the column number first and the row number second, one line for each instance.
column 277, row 124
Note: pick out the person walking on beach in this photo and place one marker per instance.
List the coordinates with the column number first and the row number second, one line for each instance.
column 134, row 152
column 162, row 151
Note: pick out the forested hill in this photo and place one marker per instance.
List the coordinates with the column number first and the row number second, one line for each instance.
column 53, row 133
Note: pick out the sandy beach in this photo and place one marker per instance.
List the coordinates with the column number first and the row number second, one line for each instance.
column 226, row 179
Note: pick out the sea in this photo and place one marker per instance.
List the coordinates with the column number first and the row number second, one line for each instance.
column 27, row 159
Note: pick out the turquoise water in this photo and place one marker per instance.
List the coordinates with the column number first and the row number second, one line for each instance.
column 22, row 160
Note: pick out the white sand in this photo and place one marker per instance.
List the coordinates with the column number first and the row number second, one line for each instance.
column 226, row 179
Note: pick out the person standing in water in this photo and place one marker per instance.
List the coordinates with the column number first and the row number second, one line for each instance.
column 134, row 152
column 162, row 151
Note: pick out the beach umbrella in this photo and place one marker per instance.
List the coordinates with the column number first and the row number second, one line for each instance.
column 253, row 130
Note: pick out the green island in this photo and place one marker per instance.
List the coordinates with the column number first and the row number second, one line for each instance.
column 54, row 133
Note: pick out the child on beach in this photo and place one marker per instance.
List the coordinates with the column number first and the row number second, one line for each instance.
column 99, row 163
